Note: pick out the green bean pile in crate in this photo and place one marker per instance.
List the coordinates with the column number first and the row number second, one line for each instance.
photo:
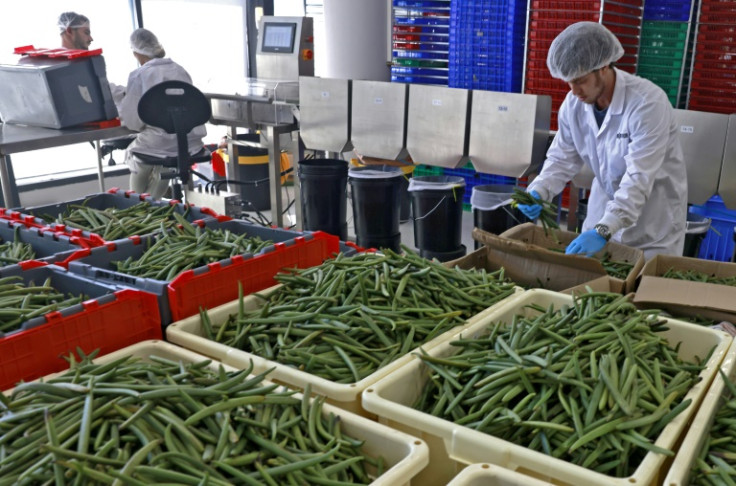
column 695, row 276
column 716, row 463
column 133, row 422
column 592, row 384
column 188, row 246
column 348, row 317
column 614, row 268
column 15, row 251
column 20, row 302
column 115, row 223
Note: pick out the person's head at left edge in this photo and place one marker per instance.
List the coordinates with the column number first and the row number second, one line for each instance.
column 75, row 31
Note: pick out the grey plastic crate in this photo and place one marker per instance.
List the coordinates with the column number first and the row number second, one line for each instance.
column 48, row 246
column 238, row 226
column 117, row 200
column 63, row 281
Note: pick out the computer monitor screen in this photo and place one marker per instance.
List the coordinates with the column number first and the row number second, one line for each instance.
column 278, row 37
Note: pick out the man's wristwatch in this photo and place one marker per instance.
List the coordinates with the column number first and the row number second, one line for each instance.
column 603, row 231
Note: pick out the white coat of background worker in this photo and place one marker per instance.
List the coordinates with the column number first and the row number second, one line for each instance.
column 154, row 68
column 75, row 31
column 624, row 128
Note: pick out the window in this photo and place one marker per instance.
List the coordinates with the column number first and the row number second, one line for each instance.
column 34, row 22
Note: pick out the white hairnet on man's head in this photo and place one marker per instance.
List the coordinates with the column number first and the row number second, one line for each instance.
column 73, row 20
column 581, row 48
column 145, row 42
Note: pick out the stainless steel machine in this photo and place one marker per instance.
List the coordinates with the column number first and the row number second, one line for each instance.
column 266, row 104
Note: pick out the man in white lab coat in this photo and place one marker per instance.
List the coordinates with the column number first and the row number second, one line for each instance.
column 624, row 128
column 154, row 68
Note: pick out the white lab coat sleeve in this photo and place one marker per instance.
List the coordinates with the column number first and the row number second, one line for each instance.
column 117, row 92
column 649, row 127
column 563, row 161
column 128, row 107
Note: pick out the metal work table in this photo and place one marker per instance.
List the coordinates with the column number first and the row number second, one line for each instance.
column 267, row 106
column 21, row 138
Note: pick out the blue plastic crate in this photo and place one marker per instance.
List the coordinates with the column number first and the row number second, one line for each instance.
column 399, row 78
column 420, row 54
column 418, row 71
column 718, row 243
column 433, row 4
column 667, row 10
column 436, row 21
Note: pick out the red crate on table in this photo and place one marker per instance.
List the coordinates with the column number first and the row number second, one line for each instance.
column 128, row 319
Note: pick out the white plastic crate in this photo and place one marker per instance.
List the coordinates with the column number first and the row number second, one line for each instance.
column 679, row 473
column 490, row 475
column 404, row 455
column 190, row 334
column 453, row 446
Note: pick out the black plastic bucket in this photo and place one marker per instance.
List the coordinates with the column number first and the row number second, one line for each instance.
column 252, row 166
column 323, row 184
column 437, row 208
column 376, row 196
column 696, row 227
column 497, row 220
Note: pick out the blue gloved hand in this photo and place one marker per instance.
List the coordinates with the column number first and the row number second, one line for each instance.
column 531, row 211
column 588, row 243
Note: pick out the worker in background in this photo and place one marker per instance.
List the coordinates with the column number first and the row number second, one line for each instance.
column 75, row 31
column 154, row 68
column 624, row 128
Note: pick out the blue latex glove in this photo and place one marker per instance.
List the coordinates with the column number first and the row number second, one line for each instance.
column 588, row 243
column 531, row 211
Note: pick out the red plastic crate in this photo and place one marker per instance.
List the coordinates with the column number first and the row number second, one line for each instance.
column 717, row 28
column 130, row 318
column 714, row 76
column 543, row 34
column 536, row 54
column 546, row 84
column 565, row 5
column 718, row 57
column 714, row 84
column 628, row 10
column 219, row 284
column 564, row 15
column 718, row 7
column 724, row 105
column 407, row 28
column 718, row 18
column 714, row 65
column 622, row 31
column 714, row 97
column 714, row 40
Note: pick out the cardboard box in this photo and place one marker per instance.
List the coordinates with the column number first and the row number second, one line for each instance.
column 686, row 298
column 527, row 256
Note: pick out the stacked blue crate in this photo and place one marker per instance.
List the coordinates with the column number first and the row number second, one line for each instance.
column 420, row 41
column 718, row 243
column 667, row 10
column 664, row 47
column 487, row 44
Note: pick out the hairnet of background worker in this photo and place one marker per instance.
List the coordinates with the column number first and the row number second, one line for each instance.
column 75, row 31
column 623, row 127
